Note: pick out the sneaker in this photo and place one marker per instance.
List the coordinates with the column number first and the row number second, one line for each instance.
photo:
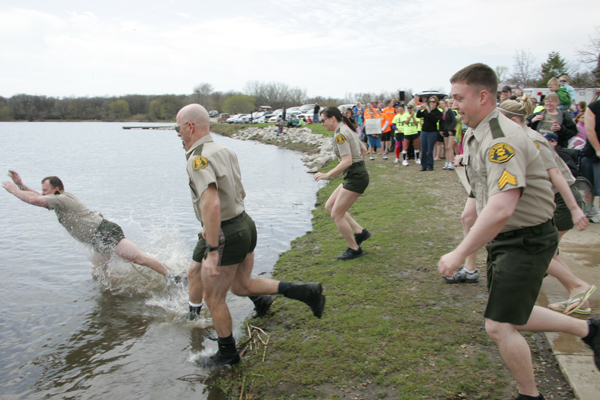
column 372, row 158
column 396, row 161
column 361, row 237
column 405, row 163
column 384, row 157
column 450, row 167
column 418, row 161
column 463, row 275
column 349, row 254
column 594, row 341
column 261, row 305
column 226, row 355
column 194, row 313
column 445, row 165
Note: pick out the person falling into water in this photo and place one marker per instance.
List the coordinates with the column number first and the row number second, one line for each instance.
column 83, row 224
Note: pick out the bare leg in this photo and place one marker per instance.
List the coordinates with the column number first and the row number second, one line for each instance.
column 244, row 285
column 195, row 282
column 544, row 320
column 129, row 251
column 355, row 226
column 215, row 292
column 515, row 353
column 337, row 205
column 449, row 142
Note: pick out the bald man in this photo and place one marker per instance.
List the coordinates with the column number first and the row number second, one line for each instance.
column 224, row 255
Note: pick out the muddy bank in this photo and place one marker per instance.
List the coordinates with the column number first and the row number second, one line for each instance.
column 315, row 159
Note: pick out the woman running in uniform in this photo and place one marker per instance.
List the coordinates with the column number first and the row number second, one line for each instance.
column 350, row 152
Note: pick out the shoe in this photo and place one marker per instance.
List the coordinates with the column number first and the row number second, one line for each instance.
column 384, row 157
column 262, row 304
column 563, row 305
column 418, row 161
column 405, row 163
column 581, row 298
column 226, row 355
column 450, row 167
column 594, row 341
column 522, row 397
column 310, row 294
column 463, row 275
column 372, row 158
column 194, row 313
column 429, row 169
column 445, row 165
column 396, row 161
column 349, row 254
column 361, row 237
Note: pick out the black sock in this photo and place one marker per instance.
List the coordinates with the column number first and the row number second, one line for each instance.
column 524, row 396
column 227, row 340
column 282, row 287
column 593, row 332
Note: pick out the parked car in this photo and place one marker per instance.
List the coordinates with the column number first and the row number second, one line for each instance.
column 262, row 119
column 213, row 113
column 346, row 106
column 249, row 118
column 307, row 107
column 223, row 117
column 234, row 119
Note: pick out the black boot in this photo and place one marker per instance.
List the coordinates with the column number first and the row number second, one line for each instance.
column 226, row 355
column 261, row 304
column 194, row 313
column 308, row 293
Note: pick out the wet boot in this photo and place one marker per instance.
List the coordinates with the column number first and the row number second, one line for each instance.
column 194, row 313
column 261, row 305
column 309, row 293
column 226, row 355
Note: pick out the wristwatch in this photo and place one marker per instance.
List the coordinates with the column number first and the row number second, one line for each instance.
column 209, row 248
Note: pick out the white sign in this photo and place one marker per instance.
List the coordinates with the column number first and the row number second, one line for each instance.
column 373, row 126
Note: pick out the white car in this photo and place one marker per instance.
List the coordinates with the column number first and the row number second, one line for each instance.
column 234, row 119
column 307, row 108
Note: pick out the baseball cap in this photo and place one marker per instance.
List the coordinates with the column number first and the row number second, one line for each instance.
column 410, row 106
column 507, row 89
column 551, row 136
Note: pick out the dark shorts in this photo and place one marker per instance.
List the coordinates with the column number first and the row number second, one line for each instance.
column 107, row 236
column 412, row 137
column 237, row 239
column 439, row 138
column 516, row 264
column 399, row 136
column 386, row 136
column 562, row 214
column 449, row 133
column 356, row 177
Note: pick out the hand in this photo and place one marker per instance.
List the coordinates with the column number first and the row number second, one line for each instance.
column 320, row 176
column 15, row 177
column 209, row 264
column 457, row 159
column 10, row 187
column 449, row 263
column 579, row 219
column 555, row 127
column 537, row 118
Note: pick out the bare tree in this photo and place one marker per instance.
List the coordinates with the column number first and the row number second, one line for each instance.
column 502, row 73
column 275, row 94
column 591, row 54
column 524, row 69
column 202, row 94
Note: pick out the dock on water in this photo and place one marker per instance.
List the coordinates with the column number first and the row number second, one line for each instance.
column 164, row 127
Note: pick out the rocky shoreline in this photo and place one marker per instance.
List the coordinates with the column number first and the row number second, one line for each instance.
column 314, row 161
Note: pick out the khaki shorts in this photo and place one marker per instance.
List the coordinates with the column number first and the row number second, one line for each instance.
column 107, row 236
column 562, row 214
column 237, row 238
column 356, row 177
column 517, row 262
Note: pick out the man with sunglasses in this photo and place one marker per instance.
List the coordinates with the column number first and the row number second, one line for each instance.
column 224, row 255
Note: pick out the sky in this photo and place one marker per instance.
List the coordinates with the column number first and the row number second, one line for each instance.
column 74, row 48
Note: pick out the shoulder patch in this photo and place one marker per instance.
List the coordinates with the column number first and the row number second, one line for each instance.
column 340, row 139
column 501, row 153
column 507, row 178
column 536, row 145
column 199, row 163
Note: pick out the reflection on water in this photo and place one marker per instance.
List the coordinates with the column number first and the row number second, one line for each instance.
column 64, row 333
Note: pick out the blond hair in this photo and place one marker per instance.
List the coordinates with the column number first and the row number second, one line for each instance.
column 519, row 109
column 553, row 96
column 553, row 82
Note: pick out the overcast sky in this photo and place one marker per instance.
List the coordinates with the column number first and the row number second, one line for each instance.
column 114, row 47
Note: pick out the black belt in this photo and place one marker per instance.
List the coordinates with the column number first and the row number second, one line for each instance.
column 232, row 220
column 546, row 227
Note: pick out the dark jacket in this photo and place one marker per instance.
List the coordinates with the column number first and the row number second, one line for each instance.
column 570, row 157
column 448, row 123
column 568, row 129
column 430, row 119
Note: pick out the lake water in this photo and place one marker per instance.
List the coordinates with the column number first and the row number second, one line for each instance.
column 66, row 334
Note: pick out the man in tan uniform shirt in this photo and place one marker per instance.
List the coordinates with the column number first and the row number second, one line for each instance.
column 224, row 255
column 83, row 224
column 514, row 203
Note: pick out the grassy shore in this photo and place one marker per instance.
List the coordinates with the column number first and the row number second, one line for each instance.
column 392, row 328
